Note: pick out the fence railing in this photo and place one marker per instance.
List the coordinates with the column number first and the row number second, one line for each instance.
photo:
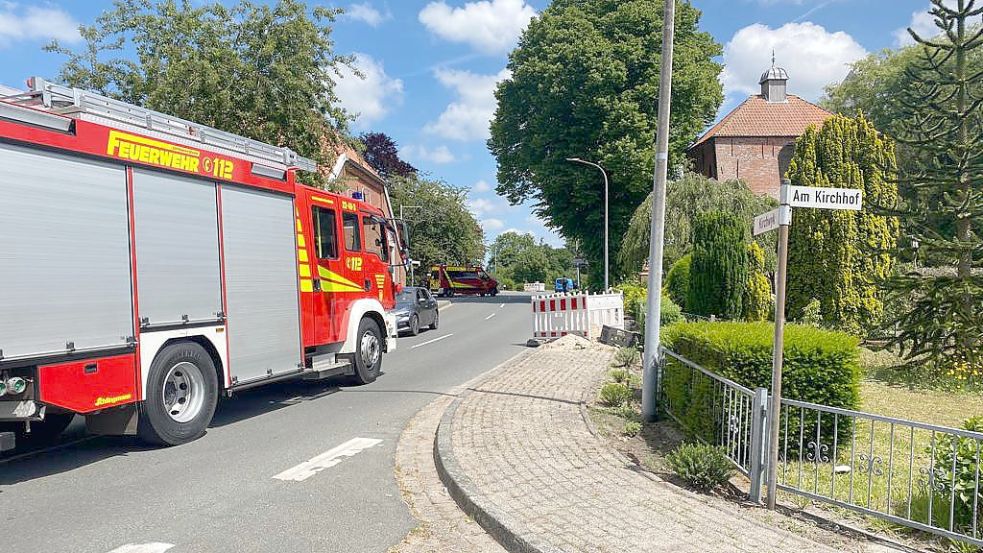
column 717, row 411
column 914, row 474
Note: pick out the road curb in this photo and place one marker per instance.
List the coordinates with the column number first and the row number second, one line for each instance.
column 509, row 533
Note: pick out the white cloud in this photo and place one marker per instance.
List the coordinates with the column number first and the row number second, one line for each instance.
column 813, row 56
column 922, row 22
column 367, row 14
column 440, row 155
column 490, row 26
column 370, row 97
column 468, row 117
column 492, row 224
column 36, row 23
column 481, row 207
column 481, row 186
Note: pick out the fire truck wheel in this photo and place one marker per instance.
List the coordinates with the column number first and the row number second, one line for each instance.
column 414, row 325
column 368, row 354
column 182, row 390
column 494, row 292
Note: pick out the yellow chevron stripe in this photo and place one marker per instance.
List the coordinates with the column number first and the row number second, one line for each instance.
column 328, row 286
column 302, row 256
column 335, row 277
column 306, row 285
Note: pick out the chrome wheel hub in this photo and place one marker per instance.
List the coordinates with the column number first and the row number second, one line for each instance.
column 184, row 392
column 369, row 349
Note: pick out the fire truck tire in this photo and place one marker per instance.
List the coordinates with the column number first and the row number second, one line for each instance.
column 182, row 391
column 368, row 351
column 494, row 292
column 414, row 325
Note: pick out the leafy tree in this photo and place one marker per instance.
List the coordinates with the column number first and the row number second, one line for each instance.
column 584, row 83
column 719, row 268
column 518, row 257
column 841, row 257
column 687, row 197
column 261, row 71
column 677, row 280
column 444, row 232
column 383, row 155
column 942, row 119
column 757, row 293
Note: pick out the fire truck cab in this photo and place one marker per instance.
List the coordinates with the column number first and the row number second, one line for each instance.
column 467, row 280
column 150, row 264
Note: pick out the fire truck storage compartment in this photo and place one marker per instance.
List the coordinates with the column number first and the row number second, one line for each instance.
column 178, row 269
column 64, row 254
column 261, row 283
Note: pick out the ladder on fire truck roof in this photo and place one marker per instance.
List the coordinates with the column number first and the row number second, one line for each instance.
column 75, row 102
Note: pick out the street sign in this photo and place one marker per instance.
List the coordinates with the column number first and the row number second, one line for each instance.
column 770, row 221
column 825, row 198
column 578, row 262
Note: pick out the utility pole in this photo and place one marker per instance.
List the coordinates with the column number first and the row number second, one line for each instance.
column 778, row 355
column 607, row 285
column 653, row 356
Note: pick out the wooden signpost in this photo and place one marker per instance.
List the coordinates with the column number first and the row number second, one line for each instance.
column 781, row 218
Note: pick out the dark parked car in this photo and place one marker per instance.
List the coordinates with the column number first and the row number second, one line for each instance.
column 416, row 308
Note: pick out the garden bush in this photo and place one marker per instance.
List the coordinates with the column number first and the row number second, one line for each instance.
column 718, row 274
column 615, row 394
column 701, row 466
column 820, row 366
column 677, row 280
column 636, row 298
column 965, row 479
column 757, row 295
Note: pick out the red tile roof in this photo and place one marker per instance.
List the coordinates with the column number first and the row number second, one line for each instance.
column 758, row 117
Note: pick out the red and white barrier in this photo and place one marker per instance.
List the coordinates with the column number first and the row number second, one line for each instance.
column 583, row 314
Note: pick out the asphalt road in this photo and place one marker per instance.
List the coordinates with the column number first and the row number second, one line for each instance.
column 217, row 494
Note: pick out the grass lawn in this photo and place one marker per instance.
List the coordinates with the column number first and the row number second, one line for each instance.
column 888, row 464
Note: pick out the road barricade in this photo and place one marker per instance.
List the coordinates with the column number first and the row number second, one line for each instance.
column 583, row 314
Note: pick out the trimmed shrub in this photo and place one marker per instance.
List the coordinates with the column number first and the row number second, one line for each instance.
column 820, row 366
column 718, row 273
column 757, row 293
column 615, row 394
column 701, row 466
column 677, row 280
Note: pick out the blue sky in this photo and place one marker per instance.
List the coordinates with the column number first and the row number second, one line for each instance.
column 431, row 66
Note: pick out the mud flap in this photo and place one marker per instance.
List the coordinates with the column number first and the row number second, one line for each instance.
column 8, row 440
column 121, row 421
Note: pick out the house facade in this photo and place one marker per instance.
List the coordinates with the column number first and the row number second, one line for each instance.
column 756, row 140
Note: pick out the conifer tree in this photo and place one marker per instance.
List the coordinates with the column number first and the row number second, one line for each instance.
column 757, row 293
column 718, row 273
column 841, row 258
column 942, row 120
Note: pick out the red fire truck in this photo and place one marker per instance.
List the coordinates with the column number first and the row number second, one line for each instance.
column 471, row 280
column 149, row 264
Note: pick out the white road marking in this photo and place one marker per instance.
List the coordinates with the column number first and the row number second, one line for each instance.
column 501, row 306
column 432, row 341
column 327, row 459
column 490, row 316
column 143, row 548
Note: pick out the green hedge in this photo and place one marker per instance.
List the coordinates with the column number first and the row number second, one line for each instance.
column 820, row 366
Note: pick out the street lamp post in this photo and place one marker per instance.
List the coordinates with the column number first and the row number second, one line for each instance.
column 605, row 173
column 401, row 207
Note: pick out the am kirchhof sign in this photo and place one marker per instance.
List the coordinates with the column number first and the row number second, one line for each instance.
column 825, row 198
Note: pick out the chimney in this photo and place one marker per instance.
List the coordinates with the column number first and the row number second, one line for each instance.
column 773, row 83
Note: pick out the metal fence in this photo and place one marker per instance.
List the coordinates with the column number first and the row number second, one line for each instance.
column 717, row 411
column 918, row 475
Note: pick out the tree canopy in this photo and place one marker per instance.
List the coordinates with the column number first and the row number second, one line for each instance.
column 687, row 197
column 445, row 231
column 584, row 83
column 841, row 258
column 517, row 258
column 261, row 71
column 382, row 154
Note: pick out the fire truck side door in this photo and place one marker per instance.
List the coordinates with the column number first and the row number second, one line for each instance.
column 329, row 298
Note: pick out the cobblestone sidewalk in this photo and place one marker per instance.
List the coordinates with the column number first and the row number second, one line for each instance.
column 518, row 455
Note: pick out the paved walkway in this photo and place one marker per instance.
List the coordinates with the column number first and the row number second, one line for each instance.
column 517, row 453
